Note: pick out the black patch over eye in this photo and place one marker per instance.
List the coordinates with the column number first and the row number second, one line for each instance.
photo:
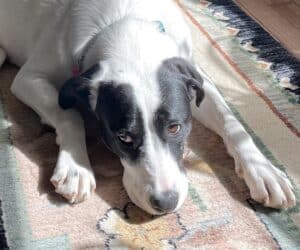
column 174, row 129
column 121, row 120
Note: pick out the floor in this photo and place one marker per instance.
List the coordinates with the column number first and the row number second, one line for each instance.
column 281, row 18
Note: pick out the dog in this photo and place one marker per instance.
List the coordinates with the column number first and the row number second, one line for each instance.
column 129, row 63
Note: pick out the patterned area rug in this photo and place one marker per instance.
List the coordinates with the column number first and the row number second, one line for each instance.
column 218, row 213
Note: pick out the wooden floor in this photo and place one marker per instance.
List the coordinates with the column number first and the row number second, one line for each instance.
column 281, row 18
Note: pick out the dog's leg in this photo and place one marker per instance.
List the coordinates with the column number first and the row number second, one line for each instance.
column 267, row 184
column 2, row 56
column 73, row 177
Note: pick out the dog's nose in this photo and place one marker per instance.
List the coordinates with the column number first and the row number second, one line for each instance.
column 164, row 202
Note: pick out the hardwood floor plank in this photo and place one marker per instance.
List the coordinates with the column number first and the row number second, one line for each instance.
column 280, row 18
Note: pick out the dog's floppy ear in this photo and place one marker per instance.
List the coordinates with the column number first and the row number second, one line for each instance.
column 73, row 91
column 77, row 89
column 189, row 74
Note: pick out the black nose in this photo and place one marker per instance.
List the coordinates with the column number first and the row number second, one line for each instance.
column 164, row 202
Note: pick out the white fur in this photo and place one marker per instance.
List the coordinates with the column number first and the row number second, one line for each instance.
column 156, row 173
column 46, row 38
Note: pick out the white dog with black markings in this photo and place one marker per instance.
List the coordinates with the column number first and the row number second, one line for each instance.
column 129, row 63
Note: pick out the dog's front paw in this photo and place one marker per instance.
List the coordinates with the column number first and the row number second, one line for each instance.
column 267, row 184
column 73, row 181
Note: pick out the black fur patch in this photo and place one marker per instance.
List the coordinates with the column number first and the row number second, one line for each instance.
column 75, row 91
column 178, row 68
column 118, row 112
column 179, row 83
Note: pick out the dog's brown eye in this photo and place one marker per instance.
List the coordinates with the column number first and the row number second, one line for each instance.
column 125, row 138
column 174, row 129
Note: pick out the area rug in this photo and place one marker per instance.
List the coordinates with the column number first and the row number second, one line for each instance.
column 218, row 213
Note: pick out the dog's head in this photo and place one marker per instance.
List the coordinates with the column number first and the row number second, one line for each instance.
column 145, row 119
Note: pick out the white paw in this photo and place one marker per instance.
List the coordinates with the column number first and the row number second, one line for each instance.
column 267, row 184
column 73, row 181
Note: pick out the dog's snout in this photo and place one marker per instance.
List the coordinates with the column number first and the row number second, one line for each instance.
column 165, row 202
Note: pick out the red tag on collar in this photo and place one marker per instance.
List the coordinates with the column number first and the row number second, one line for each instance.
column 75, row 71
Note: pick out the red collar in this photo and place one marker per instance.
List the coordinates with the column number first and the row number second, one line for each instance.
column 76, row 71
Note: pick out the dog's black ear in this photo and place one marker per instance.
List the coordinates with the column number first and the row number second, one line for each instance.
column 189, row 74
column 195, row 90
column 77, row 89
column 73, row 91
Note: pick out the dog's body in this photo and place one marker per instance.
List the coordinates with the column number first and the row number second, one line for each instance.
column 137, row 78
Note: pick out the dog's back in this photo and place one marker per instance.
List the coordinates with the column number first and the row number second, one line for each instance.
column 22, row 22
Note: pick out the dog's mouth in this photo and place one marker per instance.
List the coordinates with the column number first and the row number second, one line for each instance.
column 158, row 194
column 160, row 205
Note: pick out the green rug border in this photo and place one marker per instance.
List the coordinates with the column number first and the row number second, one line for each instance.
column 272, row 84
column 287, row 234
column 15, row 216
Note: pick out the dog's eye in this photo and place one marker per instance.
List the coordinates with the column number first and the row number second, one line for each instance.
column 125, row 138
column 174, row 129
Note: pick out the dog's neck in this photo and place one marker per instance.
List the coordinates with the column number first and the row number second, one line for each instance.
column 80, row 59
column 117, row 33
column 131, row 42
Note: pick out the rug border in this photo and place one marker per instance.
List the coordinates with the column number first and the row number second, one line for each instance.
column 237, row 69
column 14, row 212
